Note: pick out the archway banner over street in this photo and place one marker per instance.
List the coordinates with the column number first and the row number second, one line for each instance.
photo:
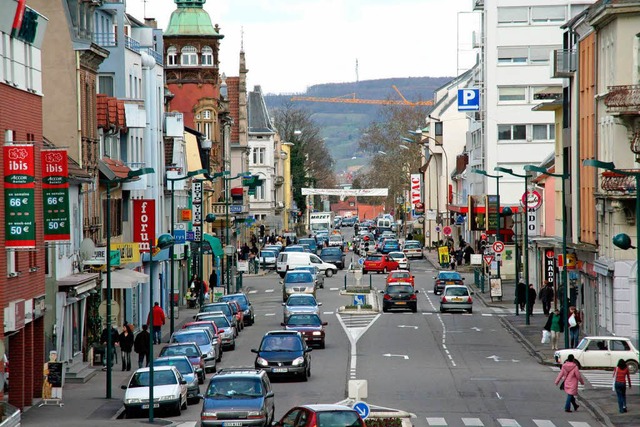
column 358, row 192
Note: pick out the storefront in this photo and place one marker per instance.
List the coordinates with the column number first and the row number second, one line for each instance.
column 127, row 297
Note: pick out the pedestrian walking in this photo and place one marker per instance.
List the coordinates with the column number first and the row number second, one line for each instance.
column 213, row 278
column 574, row 321
column 126, row 345
column 141, row 346
column 104, row 337
column 570, row 376
column 532, row 299
column 158, row 320
column 546, row 297
column 555, row 326
column 620, row 379
column 521, row 294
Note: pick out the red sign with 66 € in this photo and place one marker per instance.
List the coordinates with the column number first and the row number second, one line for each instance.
column 19, row 184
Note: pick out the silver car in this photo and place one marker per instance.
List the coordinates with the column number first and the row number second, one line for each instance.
column 456, row 297
column 227, row 329
column 300, row 303
column 204, row 340
column 319, row 278
column 295, row 282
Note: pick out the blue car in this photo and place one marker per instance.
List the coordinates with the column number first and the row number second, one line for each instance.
column 313, row 245
column 333, row 255
column 390, row 246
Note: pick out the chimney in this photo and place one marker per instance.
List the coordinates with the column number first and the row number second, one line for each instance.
column 151, row 22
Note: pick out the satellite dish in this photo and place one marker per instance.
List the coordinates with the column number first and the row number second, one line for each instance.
column 87, row 248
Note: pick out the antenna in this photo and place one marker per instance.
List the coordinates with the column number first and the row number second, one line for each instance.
column 242, row 39
column 144, row 8
column 357, row 77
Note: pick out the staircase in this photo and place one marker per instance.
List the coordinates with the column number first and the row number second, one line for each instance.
column 79, row 372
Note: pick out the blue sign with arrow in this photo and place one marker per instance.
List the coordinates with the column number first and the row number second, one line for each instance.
column 362, row 409
column 361, row 261
column 359, row 299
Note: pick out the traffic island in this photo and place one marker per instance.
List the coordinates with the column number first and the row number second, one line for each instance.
column 363, row 301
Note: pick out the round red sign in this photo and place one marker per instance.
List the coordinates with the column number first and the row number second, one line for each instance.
column 447, row 230
column 531, row 199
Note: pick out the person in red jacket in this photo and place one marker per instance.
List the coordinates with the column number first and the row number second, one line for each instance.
column 158, row 320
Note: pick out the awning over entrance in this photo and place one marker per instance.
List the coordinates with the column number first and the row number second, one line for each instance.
column 125, row 279
column 216, row 245
column 163, row 255
column 82, row 282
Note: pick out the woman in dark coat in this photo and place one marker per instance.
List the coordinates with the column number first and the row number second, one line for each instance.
column 126, row 345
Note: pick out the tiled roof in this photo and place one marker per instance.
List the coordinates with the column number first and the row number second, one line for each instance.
column 110, row 113
column 259, row 121
column 117, row 167
column 233, row 90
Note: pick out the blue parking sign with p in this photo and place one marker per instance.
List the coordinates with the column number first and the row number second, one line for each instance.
column 468, row 99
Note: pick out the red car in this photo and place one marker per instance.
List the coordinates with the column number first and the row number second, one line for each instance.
column 401, row 276
column 321, row 415
column 309, row 325
column 380, row 263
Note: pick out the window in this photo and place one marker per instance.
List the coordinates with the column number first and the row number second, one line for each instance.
column 512, row 132
column 544, row 132
column 105, row 85
column 205, row 123
column 618, row 345
column 541, row 14
column 207, row 56
column 513, row 15
column 172, row 56
column 438, row 128
column 206, row 114
column 511, row 94
column 541, row 54
column 189, row 56
column 512, row 55
column 258, row 157
column 115, row 223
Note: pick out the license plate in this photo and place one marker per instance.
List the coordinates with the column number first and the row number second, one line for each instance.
column 232, row 424
column 450, row 283
column 401, row 303
column 457, row 299
column 146, row 406
column 279, row 370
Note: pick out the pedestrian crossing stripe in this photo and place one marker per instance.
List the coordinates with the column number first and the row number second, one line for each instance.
column 504, row 422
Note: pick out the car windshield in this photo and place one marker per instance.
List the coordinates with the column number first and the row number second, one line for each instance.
column 330, row 251
column 396, row 255
column 300, row 300
column 449, row 275
column 281, row 343
column 180, row 350
column 240, row 299
column 374, row 258
column 182, row 365
column 396, row 289
column 583, row 343
column 458, row 291
column 208, row 308
column 267, row 254
column 302, row 277
column 304, row 319
column 208, row 326
column 234, row 388
column 199, row 338
column 163, row 377
column 339, row 418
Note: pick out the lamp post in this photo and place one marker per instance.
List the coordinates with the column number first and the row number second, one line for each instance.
column 525, row 228
column 131, row 175
column 565, row 298
column 622, row 240
column 171, row 249
column 164, row 241
column 497, row 177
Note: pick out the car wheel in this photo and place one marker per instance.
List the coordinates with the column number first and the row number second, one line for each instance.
column 470, row 310
column 129, row 413
column 322, row 345
column 178, row 410
column 385, row 309
column 414, row 309
column 304, row 377
column 441, row 309
column 329, row 273
column 632, row 365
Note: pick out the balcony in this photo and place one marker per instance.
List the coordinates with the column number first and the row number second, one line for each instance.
column 624, row 100
column 614, row 184
column 155, row 55
column 105, row 39
column 131, row 44
column 564, row 62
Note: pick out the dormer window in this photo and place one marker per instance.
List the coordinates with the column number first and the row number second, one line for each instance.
column 189, row 56
column 207, row 56
column 172, row 56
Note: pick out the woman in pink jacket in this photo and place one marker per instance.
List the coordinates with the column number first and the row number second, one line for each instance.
column 570, row 373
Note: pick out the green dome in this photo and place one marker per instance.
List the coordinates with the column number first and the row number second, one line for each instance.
column 190, row 19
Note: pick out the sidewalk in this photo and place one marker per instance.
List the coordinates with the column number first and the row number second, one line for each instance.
column 86, row 404
column 601, row 401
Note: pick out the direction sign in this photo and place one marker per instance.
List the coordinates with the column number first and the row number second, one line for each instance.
column 446, row 230
column 359, row 300
column 488, row 259
column 498, row 247
column 361, row 261
column 362, row 409
column 469, row 99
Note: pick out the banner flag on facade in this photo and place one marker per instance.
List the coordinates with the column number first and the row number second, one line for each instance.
column 19, row 202
column 55, row 195
column 144, row 222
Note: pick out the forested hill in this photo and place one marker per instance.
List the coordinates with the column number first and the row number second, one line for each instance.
column 341, row 123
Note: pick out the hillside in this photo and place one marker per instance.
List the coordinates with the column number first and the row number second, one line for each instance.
column 341, row 123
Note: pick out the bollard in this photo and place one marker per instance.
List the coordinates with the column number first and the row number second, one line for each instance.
column 370, row 281
column 345, row 282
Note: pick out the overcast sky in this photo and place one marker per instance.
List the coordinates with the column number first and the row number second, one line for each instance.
column 292, row 44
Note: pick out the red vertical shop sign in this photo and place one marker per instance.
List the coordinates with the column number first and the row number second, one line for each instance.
column 144, row 222
column 55, row 195
column 19, row 203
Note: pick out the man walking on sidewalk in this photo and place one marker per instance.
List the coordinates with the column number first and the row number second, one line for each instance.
column 158, row 320
column 546, row 296
column 141, row 346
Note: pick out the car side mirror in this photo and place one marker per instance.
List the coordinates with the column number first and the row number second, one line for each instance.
column 463, row 278
column 183, row 381
column 195, row 317
column 472, row 292
column 413, row 277
column 270, row 394
column 282, row 282
column 284, row 303
column 254, row 350
column 308, row 350
column 417, row 291
column 200, row 397
column 319, row 304
column 325, row 323
column 124, row 387
column 434, row 277
column 282, row 324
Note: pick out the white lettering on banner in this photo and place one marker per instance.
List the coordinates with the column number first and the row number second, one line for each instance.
column 415, row 189
column 532, row 222
column 196, row 210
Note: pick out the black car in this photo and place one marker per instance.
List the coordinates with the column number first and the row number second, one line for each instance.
column 238, row 397
column 284, row 353
column 245, row 306
column 445, row 278
column 400, row 295
column 333, row 255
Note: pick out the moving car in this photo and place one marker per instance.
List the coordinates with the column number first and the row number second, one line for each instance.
column 456, row 297
column 185, row 368
column 379, row 263
column 401, row 259
column 321, row 415
column 445, row 278
column 336, row 240
column 400, row 295
column 211, row 325
column 602, row 352
column 413, row 249
column 333, row 255
column 245, row 305
column 313, row 245
column 238, row 397
column 284, row 353
column 203, row 339
column 268, row 258
column 389, row 245
column 319, row 278
column 300, row 303
column 309, row 325
column 349, row 221
column 237, row 313
column 297, row 281
column 169, row 391
column 193, row 353
column 401, row 276
column 290, row 260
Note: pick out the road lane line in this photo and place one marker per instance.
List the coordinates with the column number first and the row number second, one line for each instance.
column 436, row 422
column 544, row 423
column 269, row 314
column 498, row 394
column 253, row 292
column 579, row 424
column 508, row 422
column 268, row 290
column 472, row 422
column 328, row 312
column 333, row 289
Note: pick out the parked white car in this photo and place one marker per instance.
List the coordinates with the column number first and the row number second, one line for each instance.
column 602, row 352
column 169, row 391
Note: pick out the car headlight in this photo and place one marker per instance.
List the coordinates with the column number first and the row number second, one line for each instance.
column 212, row 352
column 247, row 311
column 317, row 333
column 166, row 397
column 260, row 361
column 227, row 334
column 131, row 401
column 256, row 414
column 298, row 361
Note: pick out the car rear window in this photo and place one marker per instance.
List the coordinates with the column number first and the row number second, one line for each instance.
column 330, row 251
column 304, row 319
column 399, row 288
column 450, row 276
column 374, row 258
column 457, row 292
column 338, row 418
column 180, row 350
column 240, row 299
column 401, row 275
column 182, row 365
column 302, row 277
column 225, row 308
column 199, row 338
column 301, row 301
column 412, row 246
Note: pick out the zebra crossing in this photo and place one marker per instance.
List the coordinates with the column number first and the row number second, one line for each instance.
column 599, row 378
column 502, row 422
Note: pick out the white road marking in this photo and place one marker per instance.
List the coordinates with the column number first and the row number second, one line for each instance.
column 333, row 289
column 487, row 314
column 270, row 314
column 328, row 312
column 544, row 423
column 498, row 394
column 253, row 292
column 188, row 424
column 472, row 422
column 407, row 326
column 436, row 422
column 268, row 290
column 397, row 355
column 579, row 424
column 507, row 422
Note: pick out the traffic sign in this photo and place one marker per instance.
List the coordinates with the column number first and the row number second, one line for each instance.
column 191, row 236
column 498, row 246
column 361, row 261
column 362, row 409
column 488, row 259
column 359, row 299
column 438, row 229
column 446, row 230
column 532, row 199
column 468, row 99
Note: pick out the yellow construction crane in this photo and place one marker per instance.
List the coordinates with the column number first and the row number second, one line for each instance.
column 353, row 100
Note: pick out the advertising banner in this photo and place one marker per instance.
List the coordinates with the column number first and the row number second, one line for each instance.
column 55, row 195
column 416, row 185
column 549, row 267
column 144, row 222
column 19, row 184
column 196, row 210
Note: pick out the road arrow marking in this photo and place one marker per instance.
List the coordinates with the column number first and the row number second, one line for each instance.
column 494, row 357
column 407, row 326
column 475, row 328
column 397, row 355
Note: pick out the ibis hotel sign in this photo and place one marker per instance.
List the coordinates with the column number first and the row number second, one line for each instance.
column 55, row 195
column 19, row 185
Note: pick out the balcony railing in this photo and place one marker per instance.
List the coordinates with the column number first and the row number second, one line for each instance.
column 564, row 62
column 105, row 39
column 131, row 44
column 614, row 182
column 623, row 99
column 157, row 56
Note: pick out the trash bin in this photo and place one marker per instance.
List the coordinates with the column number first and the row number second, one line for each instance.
column 98, row 354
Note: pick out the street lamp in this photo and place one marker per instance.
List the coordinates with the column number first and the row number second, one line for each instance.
column 565, row 299
column 171, row 249
column 497, row 177
column 525, row 227
column 164, row 241
column 131, row 175
column 622, row 240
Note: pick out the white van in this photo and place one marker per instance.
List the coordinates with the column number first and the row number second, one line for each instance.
column 290, row 260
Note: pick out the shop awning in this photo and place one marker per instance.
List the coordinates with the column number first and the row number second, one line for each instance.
column 125, row 279
column 464, row 209
column 81, row 282
column 163, row 255
column 216, row 245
